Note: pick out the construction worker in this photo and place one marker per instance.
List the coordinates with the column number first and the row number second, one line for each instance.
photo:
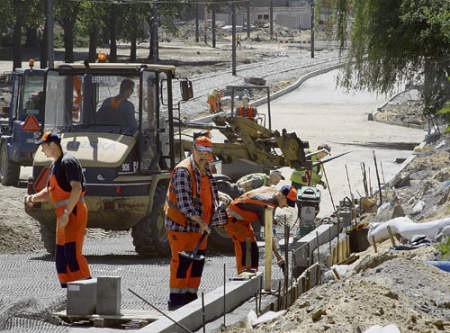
column 249, row 182
column 191, row 208
column 215, row 101
column 246, row 110
column 118, row 110
column 254, row 180
column 311, row 177
column 65, row 189
column 247, row 209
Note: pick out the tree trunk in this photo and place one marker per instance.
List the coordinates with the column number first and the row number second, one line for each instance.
column 43, row 55
column 17, row 41
column 68, row 40
column 133, row 48
column 32, row 40
column 113, row 36
column 92, row 57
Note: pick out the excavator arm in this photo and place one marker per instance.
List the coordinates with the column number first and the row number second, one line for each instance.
column 247, row 140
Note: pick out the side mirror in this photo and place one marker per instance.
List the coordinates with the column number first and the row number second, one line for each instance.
column 186, row 89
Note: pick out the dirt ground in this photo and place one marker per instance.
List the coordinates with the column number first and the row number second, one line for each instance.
column 390, row 286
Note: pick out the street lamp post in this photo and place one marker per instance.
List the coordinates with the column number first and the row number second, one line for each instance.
column 312, row 28
column 233, row 38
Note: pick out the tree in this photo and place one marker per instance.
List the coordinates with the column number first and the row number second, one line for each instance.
column 91, row 22
column 393, row 40
column 66, row 13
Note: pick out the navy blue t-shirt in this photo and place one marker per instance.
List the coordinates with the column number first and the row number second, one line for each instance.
column 66, row 169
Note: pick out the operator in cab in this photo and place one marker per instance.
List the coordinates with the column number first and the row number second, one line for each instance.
column 118, row 110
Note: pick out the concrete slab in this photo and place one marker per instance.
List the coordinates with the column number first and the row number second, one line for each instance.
column 190, row 315
column 82, row 297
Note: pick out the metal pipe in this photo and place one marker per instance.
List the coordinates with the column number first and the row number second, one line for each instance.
column 378, row 177
column 161, row 312
column 224, row 295
column 203, row 313
column 328, row 186
column 286, row 256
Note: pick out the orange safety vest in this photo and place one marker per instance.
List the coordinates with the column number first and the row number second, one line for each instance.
column 247, row 112
column 115, row 102
column 59, row 197
column 77, row 97
column 171, row 207
column 247, row 198
column 214, row 102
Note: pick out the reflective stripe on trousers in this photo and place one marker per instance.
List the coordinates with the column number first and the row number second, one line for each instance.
column 185, row 274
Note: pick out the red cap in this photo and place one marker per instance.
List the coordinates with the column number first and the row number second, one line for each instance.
column 203, row 143
column 291, row 194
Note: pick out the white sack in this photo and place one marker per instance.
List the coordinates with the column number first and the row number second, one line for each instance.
column 407, row 229
column 391, row 328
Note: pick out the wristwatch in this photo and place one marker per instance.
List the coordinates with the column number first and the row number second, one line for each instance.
column 67, row 212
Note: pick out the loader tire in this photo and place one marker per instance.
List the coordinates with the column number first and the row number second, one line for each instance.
column 9, row 171
column 48, row 236
column 149, row 234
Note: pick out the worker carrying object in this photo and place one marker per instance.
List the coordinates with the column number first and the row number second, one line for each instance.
column 250, row 208
column 215, row 101
column 246, row 110
column 65, row 189
column 255, row 180
column 311, row 177
column 249, row 182
column 192, row 206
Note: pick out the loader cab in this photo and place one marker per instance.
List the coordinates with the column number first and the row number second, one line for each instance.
column 113, row 117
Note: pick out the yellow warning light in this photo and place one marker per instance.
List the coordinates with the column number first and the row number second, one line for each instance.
column 102, row 57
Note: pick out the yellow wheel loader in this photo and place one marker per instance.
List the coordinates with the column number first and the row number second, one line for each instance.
column 126, row 159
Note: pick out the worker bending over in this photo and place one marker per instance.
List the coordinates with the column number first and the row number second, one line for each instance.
column 247, row 209
column 190, row 210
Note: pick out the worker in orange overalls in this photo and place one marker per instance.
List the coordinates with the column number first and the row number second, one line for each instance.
column 247, row 209
column 192, row 206
column 246, row 110
column 65, row 189
column 215, row 101
column 118, row 110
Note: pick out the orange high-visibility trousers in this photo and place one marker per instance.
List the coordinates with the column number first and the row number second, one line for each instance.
column 185, row 274
column 240, row 231
column 71, row 265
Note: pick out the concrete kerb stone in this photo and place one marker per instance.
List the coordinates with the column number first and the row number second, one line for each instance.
column 190, row 315
column 288, row 89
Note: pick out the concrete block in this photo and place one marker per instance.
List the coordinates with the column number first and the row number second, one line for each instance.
column 108, row 295
column 81, row 297
column 190, row 315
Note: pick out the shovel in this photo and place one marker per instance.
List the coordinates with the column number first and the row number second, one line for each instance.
column 193, row 255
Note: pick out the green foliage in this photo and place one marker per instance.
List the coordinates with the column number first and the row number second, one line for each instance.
column 393, row 40
column 444, row 248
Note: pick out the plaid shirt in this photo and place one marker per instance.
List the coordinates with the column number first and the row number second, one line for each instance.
column 188, row 205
